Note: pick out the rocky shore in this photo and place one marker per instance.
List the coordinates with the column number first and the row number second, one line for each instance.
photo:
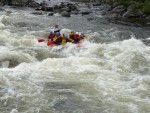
column 125, row 15
column 115, row 12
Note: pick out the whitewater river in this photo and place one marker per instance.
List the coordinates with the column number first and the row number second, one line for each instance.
column 109, row 73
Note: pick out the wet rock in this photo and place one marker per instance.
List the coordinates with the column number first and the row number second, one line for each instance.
column 96, row 4
column 1, row 4
column 66, row 105
column 64, row 9
column 106, row 8
column 43, row 4
column 119, row 9
column 86, row 12
column 90, row 19
column 131, row 8
column 39, row 8
column 130, row 14
column 146, row 42
column 140, row 13
column 116, row 4
column 104, row 13
column 56, row 8
column 34, row 5
column 50, row 14
column 148, row 24
column 48, row 8
column 75, row 12
column 148, row 17
column 113, row 17
column 9, row 12
column 37, row 13
column 1, row 9
column 71, row 6
column 65, row 14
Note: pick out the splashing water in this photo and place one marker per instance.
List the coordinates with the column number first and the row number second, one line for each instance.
column 94, row 78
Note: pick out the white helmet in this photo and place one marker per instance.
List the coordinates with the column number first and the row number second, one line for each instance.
column 77, row 33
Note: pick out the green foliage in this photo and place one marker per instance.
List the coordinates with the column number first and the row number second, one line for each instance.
column 146, row 7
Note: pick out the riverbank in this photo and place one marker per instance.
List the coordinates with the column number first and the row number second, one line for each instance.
column 123, row 12
column 115, row 11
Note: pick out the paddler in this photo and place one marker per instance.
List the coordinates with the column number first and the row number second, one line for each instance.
column 57, row 39
column 56, row 29
column 50, row 36
column 64, row 40
column 82, row 36
column 76, row 37
column 72, row 34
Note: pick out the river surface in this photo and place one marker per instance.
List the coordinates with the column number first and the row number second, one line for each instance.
column 109, row 73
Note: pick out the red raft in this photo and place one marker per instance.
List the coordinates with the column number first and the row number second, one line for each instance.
column 50, row 43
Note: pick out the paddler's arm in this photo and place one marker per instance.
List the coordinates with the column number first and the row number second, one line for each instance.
column 54, row 39
column 70, row 39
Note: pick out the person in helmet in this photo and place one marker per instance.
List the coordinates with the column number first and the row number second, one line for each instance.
column 76, row 37
column 72, row 34
column 82, row 36
column 56, row 29
column 64, row 40
column 57, row 39
column 50, row 36
column 68, row 39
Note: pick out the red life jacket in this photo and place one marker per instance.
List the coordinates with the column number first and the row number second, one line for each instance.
column 59, row 39
column 76, row 38
column 50, row 36
column 72, row 36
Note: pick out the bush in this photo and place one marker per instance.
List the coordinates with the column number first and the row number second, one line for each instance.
column 146, row 7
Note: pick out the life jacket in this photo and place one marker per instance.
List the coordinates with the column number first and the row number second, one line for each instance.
column 76, row 38
column 64, row 40
column 50, row 36
column 71, row 35
column 57, row 40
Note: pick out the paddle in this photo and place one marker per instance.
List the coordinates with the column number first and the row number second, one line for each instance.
column 41, row 40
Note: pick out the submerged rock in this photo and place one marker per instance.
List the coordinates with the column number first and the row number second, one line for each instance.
column 33, row 4
column 86, row 12
column 65, row 14
column 50, row 14
column 119, row 9
column 37, row 13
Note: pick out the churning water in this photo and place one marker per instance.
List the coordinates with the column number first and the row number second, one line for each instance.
column 109, row 73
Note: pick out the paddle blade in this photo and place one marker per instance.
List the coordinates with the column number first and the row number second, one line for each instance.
column 41, row 40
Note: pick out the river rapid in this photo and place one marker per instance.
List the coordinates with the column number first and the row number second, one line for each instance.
column 109, row 73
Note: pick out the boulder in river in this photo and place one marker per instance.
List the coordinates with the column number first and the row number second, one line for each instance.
column 50, row 14
column 130, row 14
column 119, row 9
column 65, row 14
column 47, row 8
column 33, row 4
column 85, row 12
column 37, row 13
